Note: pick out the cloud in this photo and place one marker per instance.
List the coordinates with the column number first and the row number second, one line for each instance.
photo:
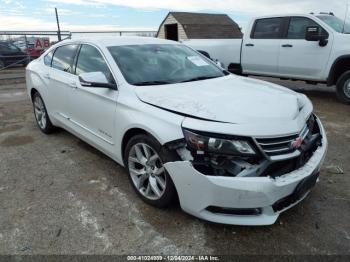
column 76, row 2
column 249, row 7
column 23, row 23
column 13, row 3
column 14, row 17
column 61, row 11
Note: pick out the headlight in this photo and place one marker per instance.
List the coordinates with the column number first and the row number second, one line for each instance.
column 217, row 145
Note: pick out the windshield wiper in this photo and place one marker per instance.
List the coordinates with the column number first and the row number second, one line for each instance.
column 199, row 78
column 151, row 83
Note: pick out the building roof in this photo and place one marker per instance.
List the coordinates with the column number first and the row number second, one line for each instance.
column 206, row 26
column 186, row 18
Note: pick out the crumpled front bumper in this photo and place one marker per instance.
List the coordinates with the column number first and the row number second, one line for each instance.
column 197, row 191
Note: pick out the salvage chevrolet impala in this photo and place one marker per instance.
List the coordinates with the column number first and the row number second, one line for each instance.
column 231, row 149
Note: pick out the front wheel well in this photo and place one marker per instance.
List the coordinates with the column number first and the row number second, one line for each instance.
column 340, row 66
column 32, row 92
column 129, row 134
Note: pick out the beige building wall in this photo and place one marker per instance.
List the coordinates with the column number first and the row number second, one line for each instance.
column 171, row 20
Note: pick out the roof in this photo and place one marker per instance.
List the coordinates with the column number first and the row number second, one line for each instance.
column 206, row 26
column 186, row 18
column 107, row 41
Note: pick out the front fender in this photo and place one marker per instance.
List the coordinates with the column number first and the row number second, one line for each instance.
column 132, row 113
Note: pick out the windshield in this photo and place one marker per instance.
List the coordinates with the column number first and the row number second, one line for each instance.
column 336, row 23
column 158, row 64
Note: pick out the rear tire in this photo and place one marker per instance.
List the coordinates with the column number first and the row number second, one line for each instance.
column 144, row 158
column 41, row 116
column 343, row 88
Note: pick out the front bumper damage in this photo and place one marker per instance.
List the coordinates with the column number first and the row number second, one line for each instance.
column 244, row 200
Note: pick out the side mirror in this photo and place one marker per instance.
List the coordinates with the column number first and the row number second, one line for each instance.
column 95, row 79
column 313, row 33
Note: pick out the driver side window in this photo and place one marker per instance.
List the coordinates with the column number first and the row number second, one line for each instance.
column 91, row 60
column 297, row 27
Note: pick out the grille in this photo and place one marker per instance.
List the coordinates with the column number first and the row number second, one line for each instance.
column 280, row 145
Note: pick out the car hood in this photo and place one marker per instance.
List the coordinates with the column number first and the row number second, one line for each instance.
column 230, row 99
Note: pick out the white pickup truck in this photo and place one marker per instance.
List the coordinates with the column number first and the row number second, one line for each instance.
column 309, row 47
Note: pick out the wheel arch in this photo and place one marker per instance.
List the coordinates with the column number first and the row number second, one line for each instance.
column 340, row 66
column 33, row 90
column 130, row 133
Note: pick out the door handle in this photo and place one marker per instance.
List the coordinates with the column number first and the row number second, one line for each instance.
column 73, row 84
column 287, row 45
column 47, row 76
column 249, row 44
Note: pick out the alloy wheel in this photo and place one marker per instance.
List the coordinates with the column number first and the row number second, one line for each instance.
column 40, row 112
column 147, row 171
column 346, row 88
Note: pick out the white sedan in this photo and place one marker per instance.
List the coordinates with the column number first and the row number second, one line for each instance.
column 231, row 149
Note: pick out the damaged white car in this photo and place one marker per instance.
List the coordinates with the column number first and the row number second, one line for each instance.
column 231, row 149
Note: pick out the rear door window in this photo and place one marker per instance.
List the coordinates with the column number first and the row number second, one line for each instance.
column 64, row 57
column 268, row 28
column 48, row 58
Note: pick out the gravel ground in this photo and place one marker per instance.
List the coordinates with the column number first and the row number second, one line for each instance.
column 59, row 195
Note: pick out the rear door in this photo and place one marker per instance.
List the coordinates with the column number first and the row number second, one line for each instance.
column 300, row 58
column 260, row 49
column 62, row 80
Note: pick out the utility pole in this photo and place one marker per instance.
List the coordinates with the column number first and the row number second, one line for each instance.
column 346, row 15
column 58, row 26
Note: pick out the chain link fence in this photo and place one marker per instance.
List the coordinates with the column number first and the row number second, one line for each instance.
column 18, row 48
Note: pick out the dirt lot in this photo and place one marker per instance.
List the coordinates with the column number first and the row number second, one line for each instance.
column 58, row 195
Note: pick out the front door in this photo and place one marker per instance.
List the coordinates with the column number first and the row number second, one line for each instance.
column 300, row 58
column 92, row 108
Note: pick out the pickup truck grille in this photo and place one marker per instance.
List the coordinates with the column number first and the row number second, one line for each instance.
column 280, row 145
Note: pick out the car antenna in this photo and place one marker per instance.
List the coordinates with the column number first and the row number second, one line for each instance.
column 346, row 15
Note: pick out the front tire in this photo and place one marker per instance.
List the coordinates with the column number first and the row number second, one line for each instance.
column 41, row 115
column 343, row 87
column 144, row 158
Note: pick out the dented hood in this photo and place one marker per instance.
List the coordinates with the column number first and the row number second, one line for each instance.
column 230, row 99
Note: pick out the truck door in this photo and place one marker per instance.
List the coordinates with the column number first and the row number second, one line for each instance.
column 300, row 58
column 260, row 49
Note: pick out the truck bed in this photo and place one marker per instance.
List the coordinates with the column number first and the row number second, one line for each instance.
column 227, row 51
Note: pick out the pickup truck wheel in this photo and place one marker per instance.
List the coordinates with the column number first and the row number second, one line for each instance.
column 144, row 158
column 343, row 87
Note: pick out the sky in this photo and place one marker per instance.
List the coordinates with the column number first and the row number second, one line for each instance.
column 98, row 15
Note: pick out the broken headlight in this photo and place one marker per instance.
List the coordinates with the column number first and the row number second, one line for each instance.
column 218, row 145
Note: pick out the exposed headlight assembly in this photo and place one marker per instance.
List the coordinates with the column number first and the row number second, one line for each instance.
column 217, row 145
